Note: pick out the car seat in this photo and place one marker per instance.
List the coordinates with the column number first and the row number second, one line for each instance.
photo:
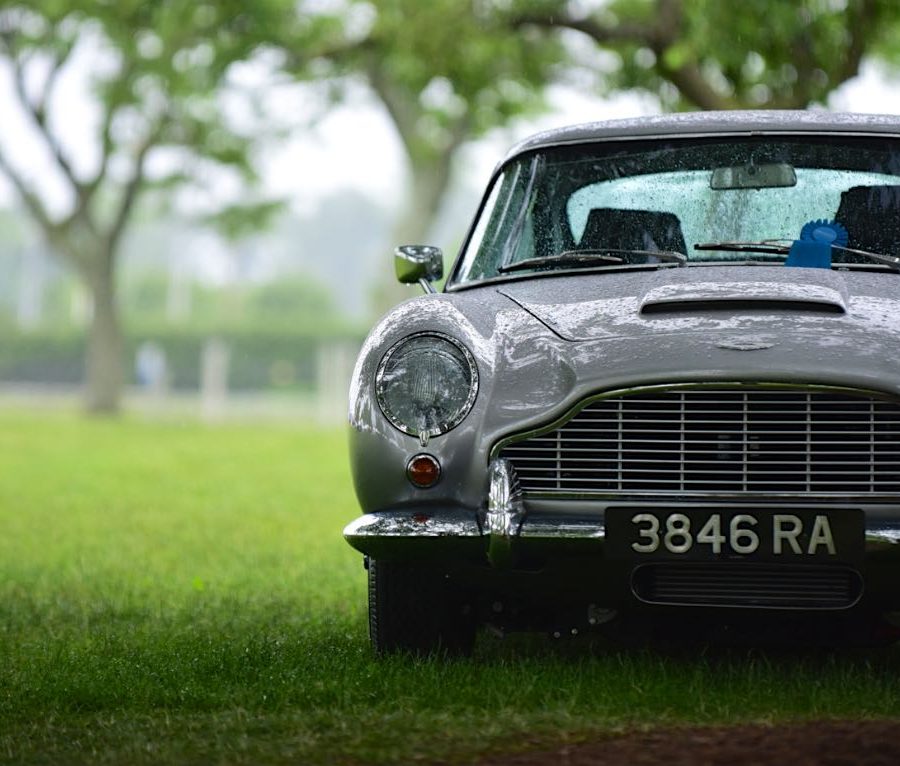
column 619, row 229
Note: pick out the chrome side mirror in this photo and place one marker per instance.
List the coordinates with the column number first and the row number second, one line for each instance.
column 419, row 263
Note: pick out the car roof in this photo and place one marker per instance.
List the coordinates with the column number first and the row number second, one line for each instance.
column 709, row 123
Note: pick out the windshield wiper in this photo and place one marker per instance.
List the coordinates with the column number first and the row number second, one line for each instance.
column 766, row 246
column 598, row 257
column 887, row 260
column 771, row 247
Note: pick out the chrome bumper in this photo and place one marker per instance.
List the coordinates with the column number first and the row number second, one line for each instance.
column 494, row 532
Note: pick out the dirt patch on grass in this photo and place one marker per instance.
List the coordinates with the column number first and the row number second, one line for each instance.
column 822, row 743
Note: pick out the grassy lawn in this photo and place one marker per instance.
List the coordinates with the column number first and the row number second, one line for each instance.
column 182, row 593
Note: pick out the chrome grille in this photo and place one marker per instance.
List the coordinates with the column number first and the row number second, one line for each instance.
column 718, row 441
column 748, row 585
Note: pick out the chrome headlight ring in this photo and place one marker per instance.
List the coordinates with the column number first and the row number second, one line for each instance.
column 426, row 383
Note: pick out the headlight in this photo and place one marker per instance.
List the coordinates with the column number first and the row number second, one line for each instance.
column 426, row 384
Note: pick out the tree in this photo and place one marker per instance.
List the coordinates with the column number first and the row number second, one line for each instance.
column 709, row 54
column 157, row 72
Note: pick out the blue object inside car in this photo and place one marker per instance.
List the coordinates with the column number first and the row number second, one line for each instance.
column 813, row 249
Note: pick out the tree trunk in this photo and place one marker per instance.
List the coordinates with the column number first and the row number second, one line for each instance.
column 428, row 185
column 429, row 182
column 104, row 373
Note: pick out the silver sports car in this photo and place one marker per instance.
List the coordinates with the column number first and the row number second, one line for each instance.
column 661, row 383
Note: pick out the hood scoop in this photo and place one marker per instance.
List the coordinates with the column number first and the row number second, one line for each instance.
column 741, row 296
column 702, row 298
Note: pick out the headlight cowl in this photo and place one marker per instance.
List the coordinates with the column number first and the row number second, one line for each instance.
column 426, row 383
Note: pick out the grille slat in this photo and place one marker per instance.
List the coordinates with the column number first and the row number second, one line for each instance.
column 538, row 447
column 719, row 441
column 719, row 471
column 748, row 585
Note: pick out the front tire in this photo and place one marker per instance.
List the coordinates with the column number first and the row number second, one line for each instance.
column 414, row 609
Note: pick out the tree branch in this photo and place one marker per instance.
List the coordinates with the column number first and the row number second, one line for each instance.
column 60, row 235
column 861, row 20
column 340, row 53
column 658, row 36
column 804, row 62
column 28, row 197
column 89, row 188
column 37, row 112
column 694, row 87
column 58, row 63
column 590, row 26
column 131, row 188
column 402, row 113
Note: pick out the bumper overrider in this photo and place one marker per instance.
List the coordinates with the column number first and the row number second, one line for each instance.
column 508, row 532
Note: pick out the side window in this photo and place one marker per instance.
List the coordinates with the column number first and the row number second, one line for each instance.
column 524, row 248
column 478, row 262
column 505, row 229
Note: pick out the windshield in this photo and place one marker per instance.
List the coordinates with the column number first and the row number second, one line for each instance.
column 669, row 195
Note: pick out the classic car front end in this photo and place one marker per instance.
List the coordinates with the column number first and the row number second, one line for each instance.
column 663, row 379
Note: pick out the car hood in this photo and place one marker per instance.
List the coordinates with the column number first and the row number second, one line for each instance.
column 609, row 331
column 704, row 299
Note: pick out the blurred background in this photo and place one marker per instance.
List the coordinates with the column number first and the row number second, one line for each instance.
column 199, row 200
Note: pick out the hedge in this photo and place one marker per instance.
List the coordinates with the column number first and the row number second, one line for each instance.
column 259, row 358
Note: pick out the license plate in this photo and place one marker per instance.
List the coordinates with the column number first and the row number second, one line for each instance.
column 796, row 535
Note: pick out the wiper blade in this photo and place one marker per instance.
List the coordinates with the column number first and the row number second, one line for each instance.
column 771, row 246
column 887, row 260
column 766, row 246
column 604, row 256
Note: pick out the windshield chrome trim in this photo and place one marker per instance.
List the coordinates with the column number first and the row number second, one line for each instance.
column 671, row 132
column 551, row 273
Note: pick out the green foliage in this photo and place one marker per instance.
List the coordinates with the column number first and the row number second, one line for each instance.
column 13, row 230
column 291, row 300
column 182, row 594
column 144, row 296
column 258, row 358
column 294, row 302
column 455, row 67
column 48, row 357
column 241, row 219
column 711, row 54
column 781, row 54
column 158, row 74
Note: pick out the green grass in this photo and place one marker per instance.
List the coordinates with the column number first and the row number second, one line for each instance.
column 182, row 594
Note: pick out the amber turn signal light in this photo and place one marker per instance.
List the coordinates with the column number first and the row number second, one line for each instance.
column 423, row 471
